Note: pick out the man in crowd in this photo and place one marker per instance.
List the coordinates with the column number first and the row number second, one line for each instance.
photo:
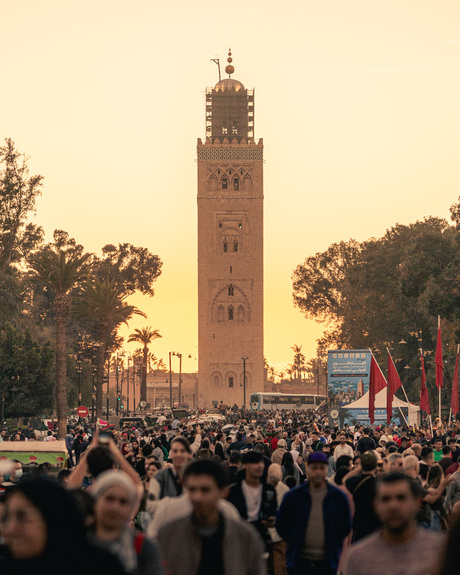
column 255, row 501
column 314, row 520
column 361, row 484
column 365, row 443
column 400, row 547
column 208, row 542
column 343, row 448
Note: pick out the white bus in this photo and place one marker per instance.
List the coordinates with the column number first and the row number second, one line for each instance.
column 286, row 401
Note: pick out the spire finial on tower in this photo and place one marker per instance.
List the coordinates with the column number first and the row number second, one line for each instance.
column 229, row 69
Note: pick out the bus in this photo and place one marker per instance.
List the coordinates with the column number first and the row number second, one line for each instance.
column 286, row 401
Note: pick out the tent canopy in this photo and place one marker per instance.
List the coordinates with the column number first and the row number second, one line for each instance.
column 381, row 403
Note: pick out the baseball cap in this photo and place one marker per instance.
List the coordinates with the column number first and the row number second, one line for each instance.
column 317, row 457
column 282, row 443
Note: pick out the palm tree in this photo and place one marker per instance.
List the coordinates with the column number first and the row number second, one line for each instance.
column 298, row 364
column 145, row 336
column 103, row 308
column 60, row 272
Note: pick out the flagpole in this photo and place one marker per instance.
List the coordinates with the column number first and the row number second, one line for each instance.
column 408, row 402
column 439, row 387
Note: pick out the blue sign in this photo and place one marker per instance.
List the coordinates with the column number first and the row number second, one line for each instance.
column 346, row 368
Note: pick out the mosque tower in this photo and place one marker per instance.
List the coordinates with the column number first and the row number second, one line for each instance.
column 230, row 247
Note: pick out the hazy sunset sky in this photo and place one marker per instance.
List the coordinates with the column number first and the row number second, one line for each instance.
column 358, row 103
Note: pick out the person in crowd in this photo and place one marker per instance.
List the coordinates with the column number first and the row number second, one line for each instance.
column 102, row 455
column 254, row 500
column 446, row 460
column 289, row 469
column 278, row 453
column 394, row 462
column 314, row 520
column 206, row 541
column 342, row 448
column 399, row 547
column 14, row 476
column 116, row 502
column 275, row 479
column 438, row 513
column 361, row 484
column 45, row 534
column 365, row 443
column 168, row 481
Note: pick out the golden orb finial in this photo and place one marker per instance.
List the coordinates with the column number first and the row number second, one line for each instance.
column 229, row 69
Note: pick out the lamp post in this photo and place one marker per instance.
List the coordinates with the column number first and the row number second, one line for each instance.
column 179, row 355
column 108, row 381
column 244, row 381
column 78, row 369
column 94, row 372
column 127, row 382
column 170, row 382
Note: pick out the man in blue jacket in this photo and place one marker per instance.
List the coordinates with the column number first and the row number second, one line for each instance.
column 314, row 519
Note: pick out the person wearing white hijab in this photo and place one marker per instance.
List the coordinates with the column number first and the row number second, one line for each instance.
column 116, row 502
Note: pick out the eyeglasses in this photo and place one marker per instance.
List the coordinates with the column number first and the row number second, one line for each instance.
column 26, row 515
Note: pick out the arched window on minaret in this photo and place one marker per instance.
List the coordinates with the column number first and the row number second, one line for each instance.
column 236, row 184
column 230, row 313
column 240, row 313
column 230, row 290
column 235, row 245
column 221, row 313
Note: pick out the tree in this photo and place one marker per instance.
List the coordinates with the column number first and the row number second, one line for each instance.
column 26, row 373
column 145, row 336
column 129, row 267
column 60, row 271
column 102, row 309
column 18, row 195
column 370, row 294
column 298, row 364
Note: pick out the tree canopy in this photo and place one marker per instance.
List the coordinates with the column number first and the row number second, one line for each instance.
column 385, row 290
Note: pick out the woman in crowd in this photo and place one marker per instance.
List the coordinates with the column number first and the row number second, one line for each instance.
column 116, row 502
column 44, row 533
column 289, row 469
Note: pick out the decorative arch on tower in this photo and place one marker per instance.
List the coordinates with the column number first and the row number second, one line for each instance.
column 223, row 301
column 216, row 379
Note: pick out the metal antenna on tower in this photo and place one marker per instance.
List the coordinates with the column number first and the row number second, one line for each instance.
column 216, row 61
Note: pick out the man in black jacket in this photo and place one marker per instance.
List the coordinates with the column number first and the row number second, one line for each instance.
column 255, row 501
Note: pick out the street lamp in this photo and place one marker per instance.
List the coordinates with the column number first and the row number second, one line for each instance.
column 128, row 353
column 107, row 356
column 179, row 355
column 78, row 369
column 244, row 381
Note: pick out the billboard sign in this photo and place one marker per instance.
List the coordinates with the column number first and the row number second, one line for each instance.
column 348, row 371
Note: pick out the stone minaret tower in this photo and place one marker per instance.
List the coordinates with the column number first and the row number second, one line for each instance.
column 230, row 247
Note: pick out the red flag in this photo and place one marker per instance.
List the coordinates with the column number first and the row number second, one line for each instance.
column 454, row 398
column 424, row 401
column 394, row 383
column 439, row 363
column 377, row 382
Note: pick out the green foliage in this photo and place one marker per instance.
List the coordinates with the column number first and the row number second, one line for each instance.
column 130, row 268
column 27, row 366
column 372, row 294
column 18, row 196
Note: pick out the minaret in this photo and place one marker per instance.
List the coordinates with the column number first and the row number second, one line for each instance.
column 230, row 247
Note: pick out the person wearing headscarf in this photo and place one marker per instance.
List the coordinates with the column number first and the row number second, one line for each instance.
column 116, row 503
column 44, row 533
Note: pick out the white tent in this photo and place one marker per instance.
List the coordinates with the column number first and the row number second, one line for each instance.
column 362, row 404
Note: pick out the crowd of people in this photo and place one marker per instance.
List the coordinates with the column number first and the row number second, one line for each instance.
column 277, row 493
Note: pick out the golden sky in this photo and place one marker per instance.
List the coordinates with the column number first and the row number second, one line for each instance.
column 358, row 103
